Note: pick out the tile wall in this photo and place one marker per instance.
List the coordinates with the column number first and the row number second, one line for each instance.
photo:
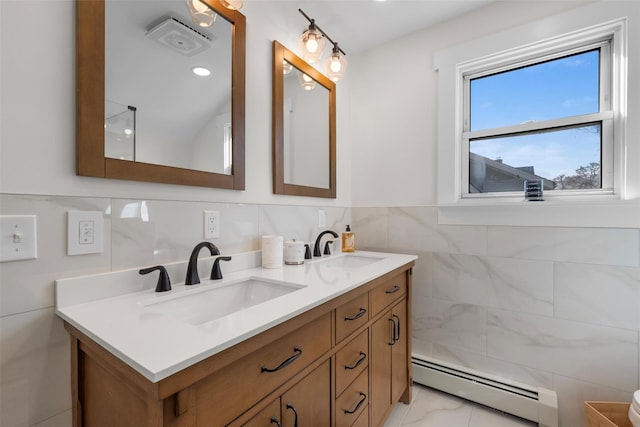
column 34, row 347
column 554, row 307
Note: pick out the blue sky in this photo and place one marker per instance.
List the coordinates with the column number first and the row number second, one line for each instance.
column 559, row 88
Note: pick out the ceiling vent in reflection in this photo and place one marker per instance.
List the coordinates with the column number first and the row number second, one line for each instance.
column 180, row 37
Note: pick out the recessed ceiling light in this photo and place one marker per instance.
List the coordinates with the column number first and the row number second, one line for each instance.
column 201, row 71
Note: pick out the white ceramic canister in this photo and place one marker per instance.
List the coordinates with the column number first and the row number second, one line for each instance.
column 271, row 251
column 293, row 252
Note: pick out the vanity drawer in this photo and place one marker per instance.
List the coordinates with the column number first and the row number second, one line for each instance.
column 351, row 361
column 388, row 292
column 254, row 376
column 351, row 315
column 353, row 401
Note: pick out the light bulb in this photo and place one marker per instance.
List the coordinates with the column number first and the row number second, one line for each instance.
column 335, row 64
column 312, row 44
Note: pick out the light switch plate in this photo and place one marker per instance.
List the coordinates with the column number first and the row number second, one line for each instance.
column 18, row 237
column 85, row 233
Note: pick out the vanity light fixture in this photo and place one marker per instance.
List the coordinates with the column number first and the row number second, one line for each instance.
column 201, row 71
column 312, row 44
column 201, row 14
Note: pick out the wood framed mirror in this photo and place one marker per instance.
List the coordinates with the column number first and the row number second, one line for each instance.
column 96, row 158
column 304, row 127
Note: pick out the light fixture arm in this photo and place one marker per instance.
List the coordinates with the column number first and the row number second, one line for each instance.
column 313, row 25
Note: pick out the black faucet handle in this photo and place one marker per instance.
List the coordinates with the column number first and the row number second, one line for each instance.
column 164, row 283
column 216, row 272
column 307, row 251
column 327, row 248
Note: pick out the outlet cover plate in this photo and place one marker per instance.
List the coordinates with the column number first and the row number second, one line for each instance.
column 85, row 232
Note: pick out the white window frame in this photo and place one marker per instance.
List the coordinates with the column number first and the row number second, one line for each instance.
column 540, row 54
column 591, row 23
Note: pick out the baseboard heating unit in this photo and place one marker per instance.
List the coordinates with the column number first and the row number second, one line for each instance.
column 532, row 403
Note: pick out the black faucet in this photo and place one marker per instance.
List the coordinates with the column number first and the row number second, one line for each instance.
column 164, row 284
column 316, row 247
column 216, row 272
column 192, row 268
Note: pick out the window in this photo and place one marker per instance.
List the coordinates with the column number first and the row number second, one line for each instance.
column 547, row 117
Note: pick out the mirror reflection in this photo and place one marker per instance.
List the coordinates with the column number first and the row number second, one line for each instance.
column 306, row 130
column 303, row 127
column 168, row 85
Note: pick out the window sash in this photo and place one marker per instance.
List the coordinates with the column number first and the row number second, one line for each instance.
column 605, row 116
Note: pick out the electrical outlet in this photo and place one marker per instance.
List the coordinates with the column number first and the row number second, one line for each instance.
column 322, row 218
column 211, row 224
column 85, row 234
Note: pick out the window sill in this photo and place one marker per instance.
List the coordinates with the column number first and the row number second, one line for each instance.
column 608, row 212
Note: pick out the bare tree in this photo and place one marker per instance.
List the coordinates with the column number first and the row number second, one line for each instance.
column 586, row 177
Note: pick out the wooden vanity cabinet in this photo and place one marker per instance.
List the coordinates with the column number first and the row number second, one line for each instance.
column 390, row 351
column 344, row 363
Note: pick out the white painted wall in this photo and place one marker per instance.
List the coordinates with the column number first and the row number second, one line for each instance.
column 394, row 115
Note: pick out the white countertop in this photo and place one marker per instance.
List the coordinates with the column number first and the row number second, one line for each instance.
column 158, row 345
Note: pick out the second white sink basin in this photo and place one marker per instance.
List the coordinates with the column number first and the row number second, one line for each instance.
column 349, row 261
column 203, row 306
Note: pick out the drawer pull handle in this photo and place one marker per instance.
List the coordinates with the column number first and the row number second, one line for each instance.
column 360, row 313
column 363, row 397
column 295, row 413
column 396, row 332
column 393, row 331
column 393, row 290
column 275, row 421
column 297, row 354
column 363, row 356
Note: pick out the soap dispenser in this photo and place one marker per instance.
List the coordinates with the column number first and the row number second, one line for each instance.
column 348, row 240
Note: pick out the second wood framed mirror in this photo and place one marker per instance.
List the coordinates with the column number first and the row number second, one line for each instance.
column 304, row 127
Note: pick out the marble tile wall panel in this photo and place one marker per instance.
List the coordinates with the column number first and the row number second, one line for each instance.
column 151, row 232
column 34, row 368
column 59, row 420
column 448, row 323
column 301, row 222
column 519, row 285
column 613, row 246
column 501, row 368
column 587, row 352
column 604, row 295
column 371, row 226
column 28, row 284
column 417, row 229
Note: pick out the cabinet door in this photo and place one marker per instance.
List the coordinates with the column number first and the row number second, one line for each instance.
column 399, row 352
column 308, row 403
column 380, row 365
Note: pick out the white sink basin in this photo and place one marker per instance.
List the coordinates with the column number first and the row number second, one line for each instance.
column 349, row 261
column 203, row 306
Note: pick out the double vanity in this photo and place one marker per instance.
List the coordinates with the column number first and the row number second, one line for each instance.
column 325, row 343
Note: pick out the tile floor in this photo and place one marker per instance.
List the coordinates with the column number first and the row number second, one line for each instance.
column 432, row 408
